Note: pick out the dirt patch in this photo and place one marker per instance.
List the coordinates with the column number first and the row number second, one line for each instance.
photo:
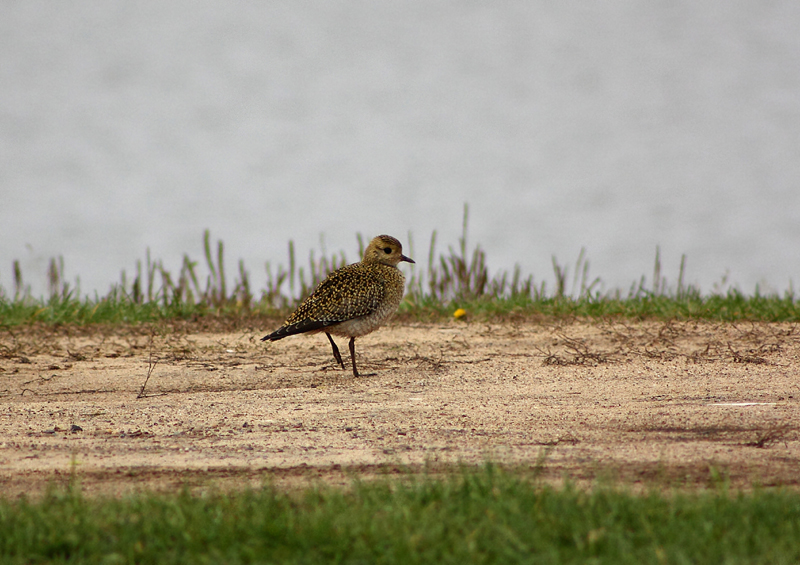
column 676, row 403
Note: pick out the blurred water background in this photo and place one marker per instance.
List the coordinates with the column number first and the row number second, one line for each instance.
column 615, row 126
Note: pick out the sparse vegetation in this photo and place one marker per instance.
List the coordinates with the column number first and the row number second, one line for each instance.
column 458, row 278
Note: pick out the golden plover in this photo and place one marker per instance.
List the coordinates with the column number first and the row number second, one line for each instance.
column 354, row 300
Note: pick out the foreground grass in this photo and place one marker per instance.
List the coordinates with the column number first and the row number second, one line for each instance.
column 478, row 516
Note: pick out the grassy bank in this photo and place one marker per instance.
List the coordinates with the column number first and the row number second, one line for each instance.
column 730, row 307
column 481, row 515
column 455, row 279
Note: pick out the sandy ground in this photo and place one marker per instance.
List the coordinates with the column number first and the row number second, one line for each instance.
column 675, row 403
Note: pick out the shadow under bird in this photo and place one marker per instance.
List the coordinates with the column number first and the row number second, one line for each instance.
column 354, row 300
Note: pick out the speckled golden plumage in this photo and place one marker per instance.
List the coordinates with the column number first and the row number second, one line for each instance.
column 354, row 300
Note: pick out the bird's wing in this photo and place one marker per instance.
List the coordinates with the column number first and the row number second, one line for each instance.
column 346, row 294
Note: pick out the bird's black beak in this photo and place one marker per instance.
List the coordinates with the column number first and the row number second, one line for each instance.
column 406, row 259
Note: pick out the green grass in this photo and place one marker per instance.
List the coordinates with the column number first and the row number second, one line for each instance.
column 119, row 309
column 457, row 278
column 484, row 515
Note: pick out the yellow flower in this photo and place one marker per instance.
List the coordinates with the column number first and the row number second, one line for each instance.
column 459, row 313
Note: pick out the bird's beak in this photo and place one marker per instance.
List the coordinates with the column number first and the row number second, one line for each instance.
column 406, row 259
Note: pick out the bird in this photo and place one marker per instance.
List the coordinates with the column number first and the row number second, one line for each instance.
column 354, row 300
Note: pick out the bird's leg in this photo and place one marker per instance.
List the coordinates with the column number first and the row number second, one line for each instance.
column 353, row 355
column 353, row 359
column 336, row 354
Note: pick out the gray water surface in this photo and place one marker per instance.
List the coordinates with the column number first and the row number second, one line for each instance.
column 614, row 126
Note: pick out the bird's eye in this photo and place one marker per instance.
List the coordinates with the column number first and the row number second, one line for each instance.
column 387, row 250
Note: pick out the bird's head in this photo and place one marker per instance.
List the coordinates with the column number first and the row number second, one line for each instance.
column 386, row 250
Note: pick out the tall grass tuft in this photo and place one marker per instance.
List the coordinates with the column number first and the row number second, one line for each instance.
column 463, row 275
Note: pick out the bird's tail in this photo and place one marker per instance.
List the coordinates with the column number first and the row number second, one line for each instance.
column 298, row 328
column 275, row 336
